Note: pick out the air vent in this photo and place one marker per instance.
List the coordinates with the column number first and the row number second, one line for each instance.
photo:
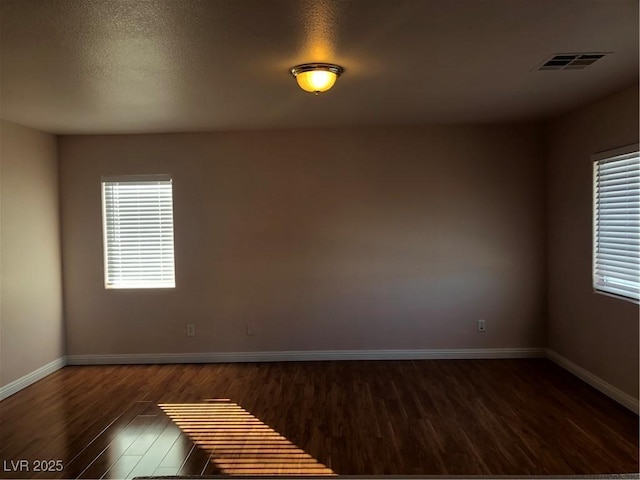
column 570, row 61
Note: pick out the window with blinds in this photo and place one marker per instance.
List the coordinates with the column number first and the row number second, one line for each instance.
column 138, row 232
column 616, row 222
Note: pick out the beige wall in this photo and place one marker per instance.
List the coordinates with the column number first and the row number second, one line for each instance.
column 597, row 332
column 331, row 239
column 31, row 322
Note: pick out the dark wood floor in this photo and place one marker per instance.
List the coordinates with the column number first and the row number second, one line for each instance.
column 453, row 417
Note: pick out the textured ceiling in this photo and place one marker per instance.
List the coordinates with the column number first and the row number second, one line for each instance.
column 116, row 66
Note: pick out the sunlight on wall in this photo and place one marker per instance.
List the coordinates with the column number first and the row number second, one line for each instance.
column 239, row 443
column 319, row 18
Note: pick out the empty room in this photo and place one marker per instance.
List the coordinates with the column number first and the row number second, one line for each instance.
column 319, row 238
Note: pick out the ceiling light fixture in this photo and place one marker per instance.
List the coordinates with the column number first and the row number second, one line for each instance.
column 316, row 77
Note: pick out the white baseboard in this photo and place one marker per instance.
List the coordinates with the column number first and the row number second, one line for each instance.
column 596, row 382
column 31, row 378
column 305, row 356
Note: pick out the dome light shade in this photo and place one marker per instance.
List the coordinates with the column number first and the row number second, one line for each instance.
column 316, row 80
column 316, row 77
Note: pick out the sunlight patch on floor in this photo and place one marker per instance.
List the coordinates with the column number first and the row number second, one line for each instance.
column 239, row 443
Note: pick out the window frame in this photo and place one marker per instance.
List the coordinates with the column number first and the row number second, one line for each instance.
column 597, row 159
column 139, row 284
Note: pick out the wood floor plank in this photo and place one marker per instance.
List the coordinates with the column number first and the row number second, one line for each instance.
column 177, row 454
column 196, row 462
column 105, row 449
column 165, row 471
column 122, row 467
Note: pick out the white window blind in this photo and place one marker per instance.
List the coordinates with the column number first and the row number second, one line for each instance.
column 138, row 232
column 616, row 256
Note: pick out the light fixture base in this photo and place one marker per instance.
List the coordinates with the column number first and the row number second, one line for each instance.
column 309, row 67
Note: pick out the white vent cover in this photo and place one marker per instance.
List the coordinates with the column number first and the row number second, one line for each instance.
column 570, row 61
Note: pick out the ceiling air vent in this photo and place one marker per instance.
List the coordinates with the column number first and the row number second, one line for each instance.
column 570, row 61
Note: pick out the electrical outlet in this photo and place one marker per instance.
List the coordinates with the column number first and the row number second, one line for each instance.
column 481, row 327
column 251, row 328
column 191, row 330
